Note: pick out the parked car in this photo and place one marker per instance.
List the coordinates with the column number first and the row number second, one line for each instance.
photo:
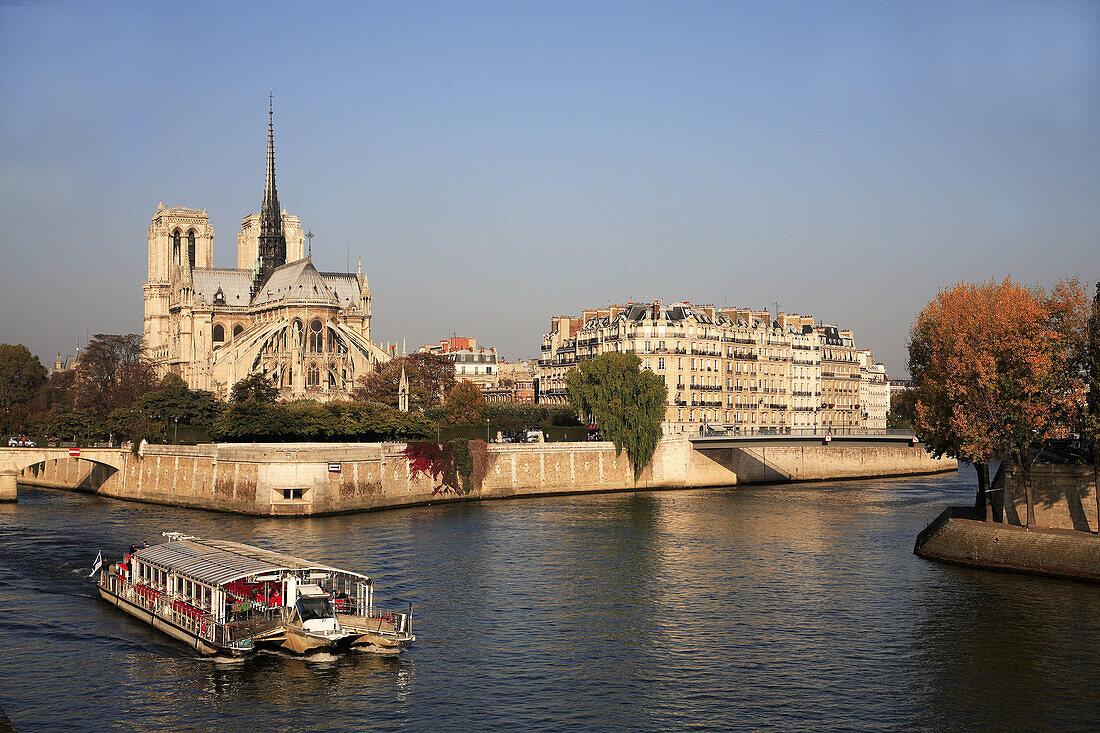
column 19, row 441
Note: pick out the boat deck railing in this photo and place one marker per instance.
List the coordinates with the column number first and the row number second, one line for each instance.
column 380, row 621
column 237, row 634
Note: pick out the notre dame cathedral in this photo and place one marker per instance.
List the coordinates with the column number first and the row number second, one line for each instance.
column 275, row 314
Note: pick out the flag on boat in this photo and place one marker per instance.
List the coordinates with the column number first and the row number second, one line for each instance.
column 97, row 564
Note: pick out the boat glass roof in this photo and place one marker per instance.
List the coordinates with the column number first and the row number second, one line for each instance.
column 216, row 562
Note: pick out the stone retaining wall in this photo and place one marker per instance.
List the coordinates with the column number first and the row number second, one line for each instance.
column 957, row 537
column 295, row 479
column 1064, row 495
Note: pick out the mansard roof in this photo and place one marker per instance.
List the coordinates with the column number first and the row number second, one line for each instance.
column 295, row 281
column 235, row 285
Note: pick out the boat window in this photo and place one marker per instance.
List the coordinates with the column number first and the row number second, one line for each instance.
column 311, row 608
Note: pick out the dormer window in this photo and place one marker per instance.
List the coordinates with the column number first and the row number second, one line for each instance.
column 219, row 297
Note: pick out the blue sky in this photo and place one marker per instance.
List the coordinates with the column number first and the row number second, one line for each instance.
column 497, row 163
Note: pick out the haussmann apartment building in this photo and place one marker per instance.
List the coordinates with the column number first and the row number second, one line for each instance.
column 733, row 369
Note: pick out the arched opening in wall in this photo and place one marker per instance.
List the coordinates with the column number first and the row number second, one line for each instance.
column 313, row 377
column 176, row 248
column 237, row 330
column 316, row 337
column 219, row 334
column 332, row 381
column 191, row 248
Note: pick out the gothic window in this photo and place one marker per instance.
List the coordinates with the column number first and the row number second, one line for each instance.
column 335, row 343
column 191, row 248
column 313, row 377
column 316, row 337
column 219, row 333
column 332, row 377
column 176, row 247
column 237, row 329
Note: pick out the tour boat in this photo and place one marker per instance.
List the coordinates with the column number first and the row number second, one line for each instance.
column 227, row 598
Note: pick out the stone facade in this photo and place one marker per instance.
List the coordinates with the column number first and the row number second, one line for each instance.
column 733, row 368
column 473, row 364
column 276, row 315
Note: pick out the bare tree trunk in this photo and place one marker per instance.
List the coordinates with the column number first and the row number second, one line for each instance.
column 1096, row 478
column 1025, row 473
column 981, row 501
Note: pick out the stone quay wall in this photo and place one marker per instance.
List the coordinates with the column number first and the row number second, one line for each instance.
column 957, row 537
column 1064, row 495
column 318, row 478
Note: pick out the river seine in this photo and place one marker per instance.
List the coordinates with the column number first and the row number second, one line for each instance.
column 758, row 608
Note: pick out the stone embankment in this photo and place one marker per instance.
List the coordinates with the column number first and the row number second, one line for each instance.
column 312, row 478
column 957, row 537
column 1064, row 496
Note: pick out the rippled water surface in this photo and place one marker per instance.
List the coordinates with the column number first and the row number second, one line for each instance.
column 758, row 608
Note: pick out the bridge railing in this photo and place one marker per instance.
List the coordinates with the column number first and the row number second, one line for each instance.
column 739, row 432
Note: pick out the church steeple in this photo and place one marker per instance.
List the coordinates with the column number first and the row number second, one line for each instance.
column 272, row 239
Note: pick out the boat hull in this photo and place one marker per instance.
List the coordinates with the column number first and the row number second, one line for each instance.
column 163, row 625
column 375, row 632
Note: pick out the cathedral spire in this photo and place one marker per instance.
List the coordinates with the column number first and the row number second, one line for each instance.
column 270, row 211
column 272, row 239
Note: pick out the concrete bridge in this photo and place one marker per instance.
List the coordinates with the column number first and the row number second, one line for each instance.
column 815, row 457
column 704, row 442
column 14, row 460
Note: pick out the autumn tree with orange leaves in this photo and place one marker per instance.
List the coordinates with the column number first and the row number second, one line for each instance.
column 995, row 372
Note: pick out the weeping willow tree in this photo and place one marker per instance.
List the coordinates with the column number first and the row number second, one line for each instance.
column 624, row 400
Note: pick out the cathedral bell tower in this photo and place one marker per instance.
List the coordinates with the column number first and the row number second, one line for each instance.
column 272, row 247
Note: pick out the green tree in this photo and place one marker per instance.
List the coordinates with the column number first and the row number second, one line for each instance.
column 254, row 388
column 22, row 377
column 625, row 401
column 902, row 412
column 431, row 378
column 167, row 407
column 74, row 424
column 516, row 417
column 311, row 420
column 465, row 405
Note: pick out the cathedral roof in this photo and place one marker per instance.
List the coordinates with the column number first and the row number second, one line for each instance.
column 345, row 286
column 234, row 285
column 295, row 281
